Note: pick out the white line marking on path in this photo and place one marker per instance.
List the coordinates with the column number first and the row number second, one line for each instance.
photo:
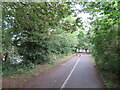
column 70, row 74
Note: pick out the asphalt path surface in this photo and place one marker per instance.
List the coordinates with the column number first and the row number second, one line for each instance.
column 77, row 72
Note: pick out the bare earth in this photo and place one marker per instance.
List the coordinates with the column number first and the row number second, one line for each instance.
column 78, row 72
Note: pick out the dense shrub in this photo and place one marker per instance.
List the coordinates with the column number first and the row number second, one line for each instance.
column 37, row 29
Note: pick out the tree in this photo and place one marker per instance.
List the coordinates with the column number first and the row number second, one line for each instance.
column 105, row 39
column 31, row 27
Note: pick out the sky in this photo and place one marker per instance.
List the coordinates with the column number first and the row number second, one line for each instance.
column 84, row 17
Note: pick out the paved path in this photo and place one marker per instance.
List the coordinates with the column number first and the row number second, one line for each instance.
column 78, row 72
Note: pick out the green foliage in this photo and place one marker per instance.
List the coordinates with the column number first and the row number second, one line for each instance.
column 31, row 28
column 104, row 36
column 35, row 32
column 83, row 41
column 10, row 69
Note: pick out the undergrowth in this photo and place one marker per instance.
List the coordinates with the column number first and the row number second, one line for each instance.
column 25, row 68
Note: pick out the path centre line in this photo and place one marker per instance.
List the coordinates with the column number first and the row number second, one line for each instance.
column 70, row 74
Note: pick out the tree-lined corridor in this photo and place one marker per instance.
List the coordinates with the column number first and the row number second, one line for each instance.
column 42, row 33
